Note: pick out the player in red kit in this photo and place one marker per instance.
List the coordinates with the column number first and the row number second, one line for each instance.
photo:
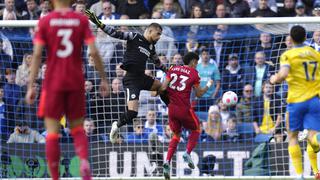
column 63, row 32
column 179, row 82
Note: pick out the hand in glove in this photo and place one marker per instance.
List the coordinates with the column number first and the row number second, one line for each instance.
column 93, row 18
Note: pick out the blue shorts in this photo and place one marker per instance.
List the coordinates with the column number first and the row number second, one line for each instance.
column 304, row 115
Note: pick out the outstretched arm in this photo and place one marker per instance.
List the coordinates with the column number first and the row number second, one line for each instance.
column 155, row 59
column 281, row 75
column 108, row 29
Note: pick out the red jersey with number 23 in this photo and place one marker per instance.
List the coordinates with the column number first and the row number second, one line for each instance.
column 182, row 79
column 63, row 34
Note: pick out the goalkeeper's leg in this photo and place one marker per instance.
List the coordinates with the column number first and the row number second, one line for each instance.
column 163, row 95
column 125, row 118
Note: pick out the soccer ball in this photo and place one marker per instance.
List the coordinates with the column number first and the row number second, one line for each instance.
column 230, row 98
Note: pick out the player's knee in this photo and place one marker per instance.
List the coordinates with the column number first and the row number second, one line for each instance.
column 293, row 139
column 293, row 135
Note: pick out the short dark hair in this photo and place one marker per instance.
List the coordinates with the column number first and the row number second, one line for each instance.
column 155, row 25
column 298, row 34
column 189, row 57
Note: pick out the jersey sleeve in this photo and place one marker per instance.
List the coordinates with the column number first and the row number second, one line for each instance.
column 154, row 57
column 118, row 34
column 284, row 60
column 39, row 37
column 88, row 36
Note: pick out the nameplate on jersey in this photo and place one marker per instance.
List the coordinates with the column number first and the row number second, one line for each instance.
column 64, row 22
column 181, row 70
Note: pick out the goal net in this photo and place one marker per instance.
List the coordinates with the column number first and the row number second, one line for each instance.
column 248, row 139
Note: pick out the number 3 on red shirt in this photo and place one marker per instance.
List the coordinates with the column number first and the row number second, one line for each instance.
column 66, row 42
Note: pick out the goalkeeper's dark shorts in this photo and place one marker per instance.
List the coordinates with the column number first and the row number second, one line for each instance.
column 134, row 83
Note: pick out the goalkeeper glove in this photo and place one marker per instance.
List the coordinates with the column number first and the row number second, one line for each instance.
column 93, row 18
column 163, row 68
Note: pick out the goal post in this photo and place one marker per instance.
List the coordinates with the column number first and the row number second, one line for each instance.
column 228, row 147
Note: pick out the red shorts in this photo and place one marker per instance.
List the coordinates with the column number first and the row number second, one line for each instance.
column 182, row 117
column 56, row 104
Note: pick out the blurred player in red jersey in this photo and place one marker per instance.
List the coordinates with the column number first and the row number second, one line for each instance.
column 179, row 82
column 63, row 32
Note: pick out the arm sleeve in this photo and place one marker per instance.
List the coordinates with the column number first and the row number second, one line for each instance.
column 118, row 34
column 284, row 60
column 155, row 58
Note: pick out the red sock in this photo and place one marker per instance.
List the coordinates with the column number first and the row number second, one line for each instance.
column 80, row 142
column 53, row 154
column 192, row 141
column 172, row 147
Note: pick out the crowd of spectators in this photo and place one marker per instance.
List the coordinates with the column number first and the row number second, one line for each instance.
column 236, row 63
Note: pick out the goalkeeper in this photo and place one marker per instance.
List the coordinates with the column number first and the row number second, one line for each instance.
column 140, row 48
column 299, row 66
